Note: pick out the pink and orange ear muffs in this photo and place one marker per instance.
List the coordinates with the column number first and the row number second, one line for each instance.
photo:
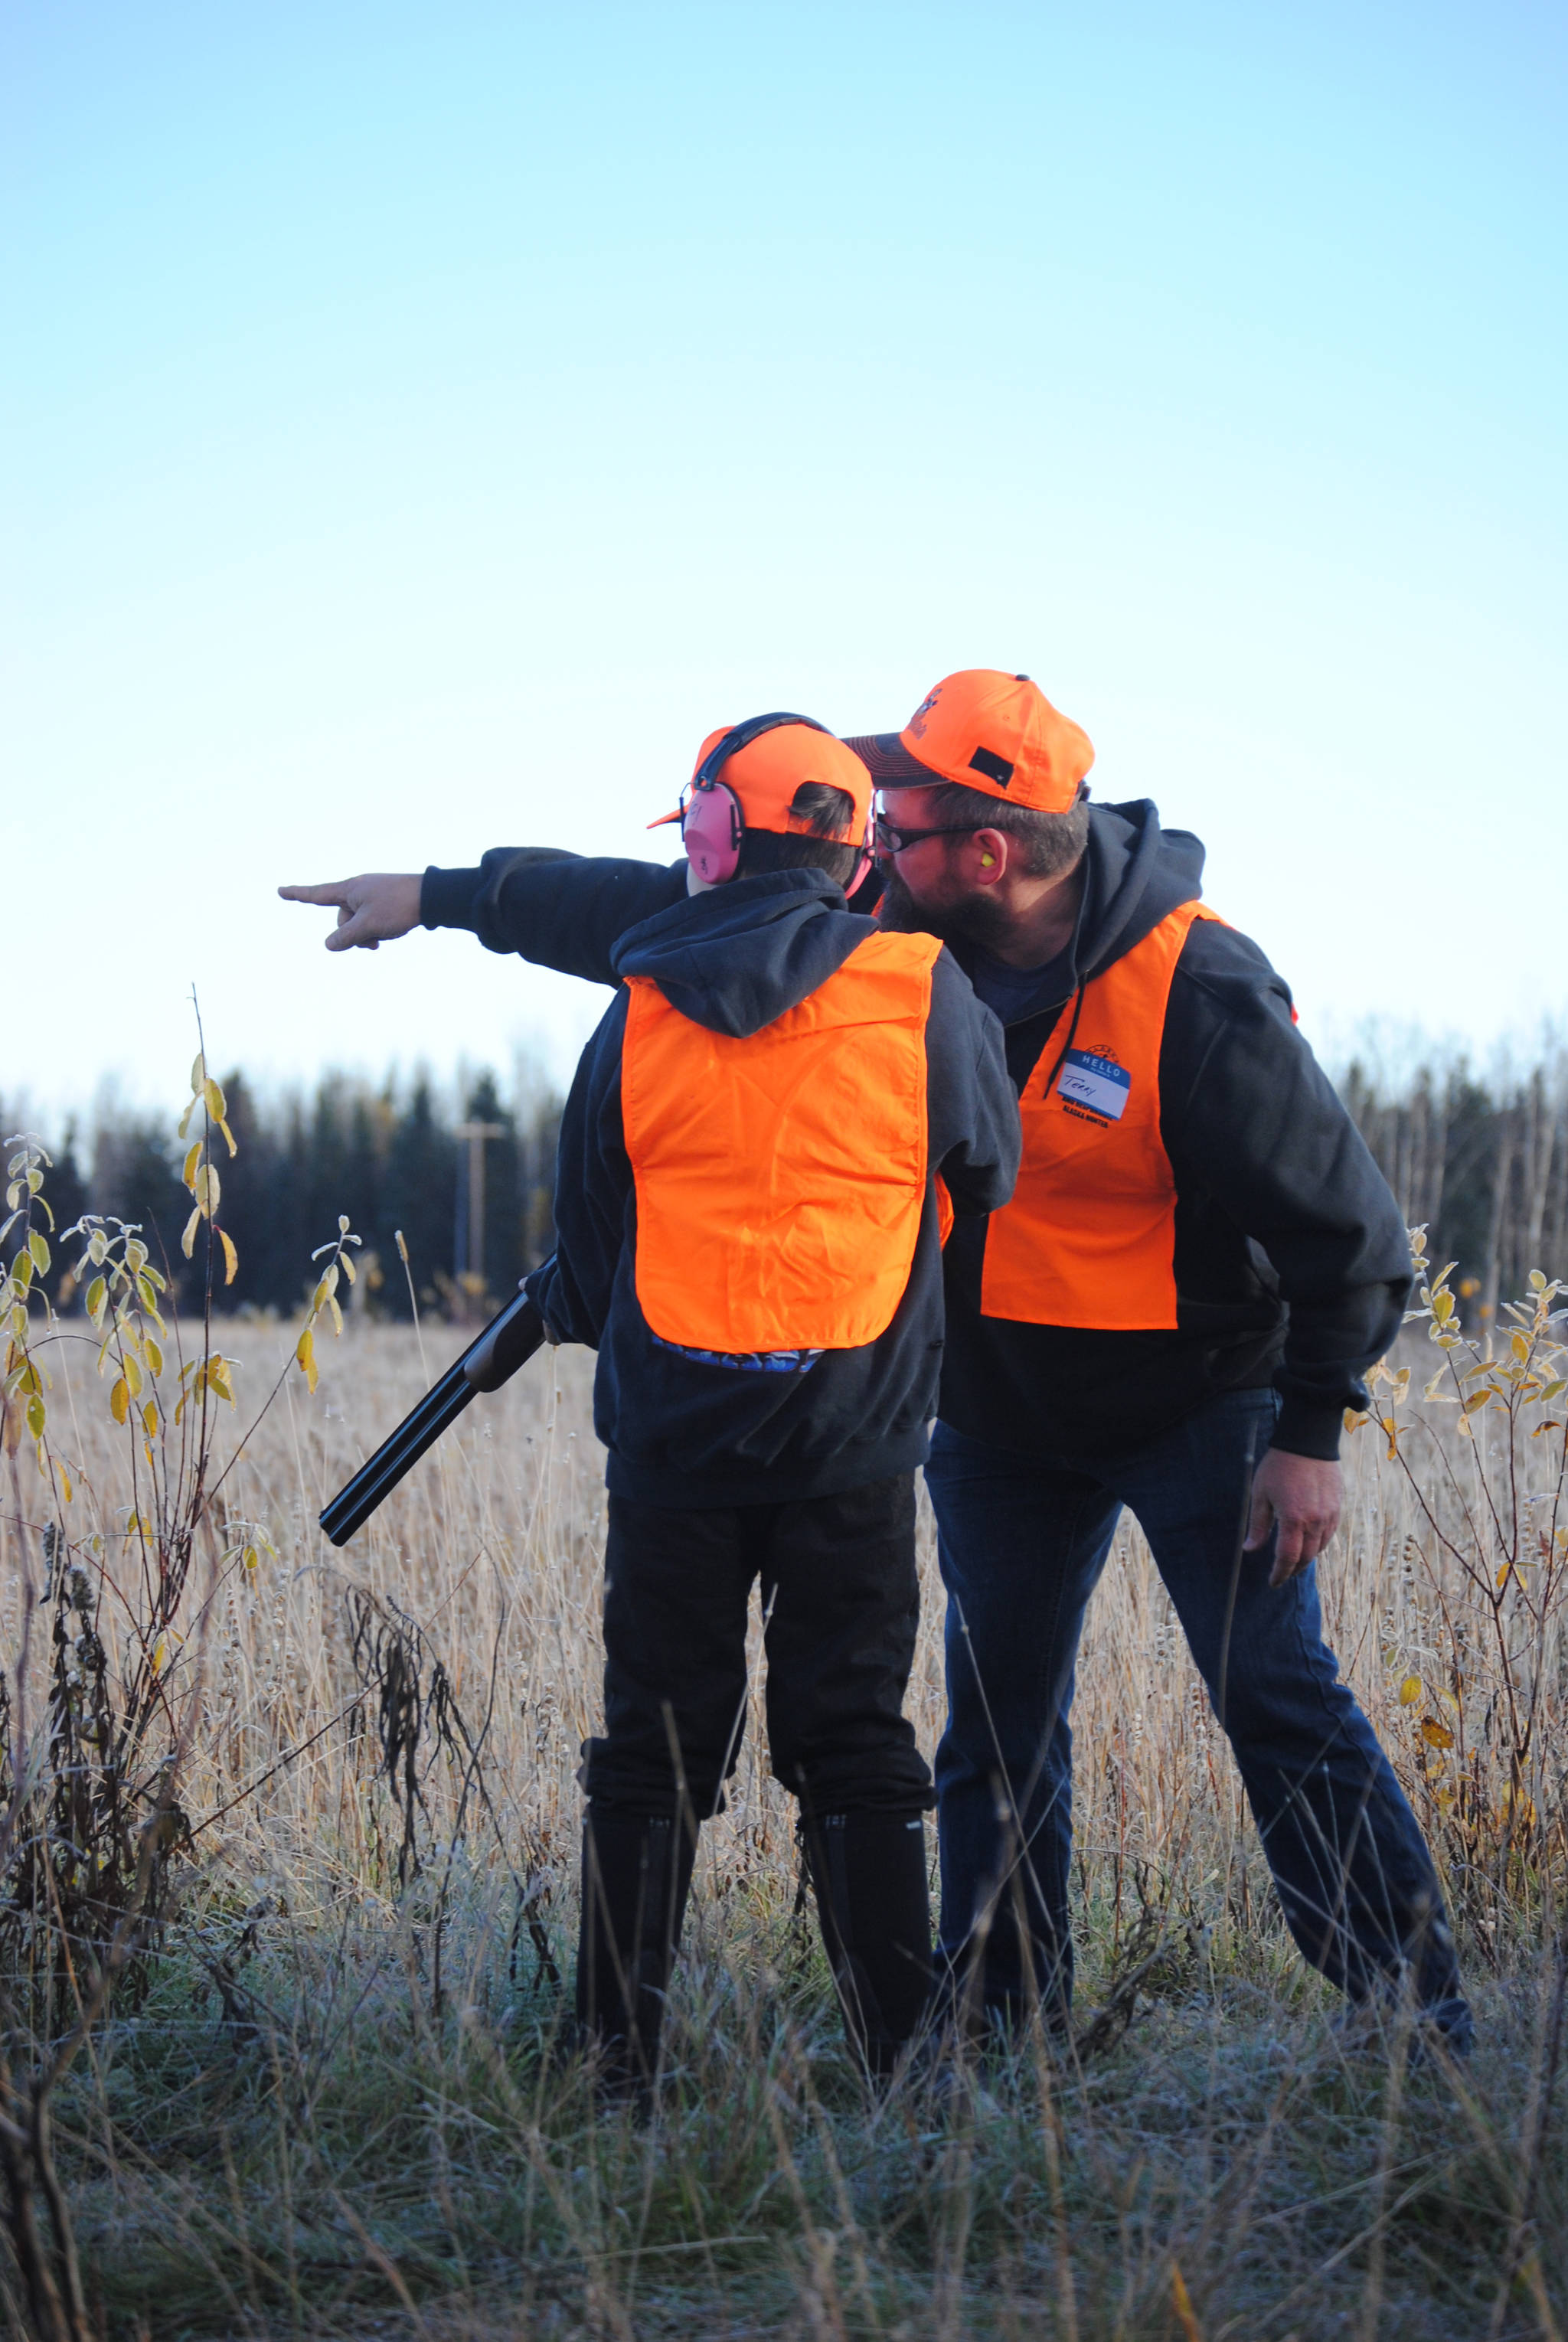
column 713, row 822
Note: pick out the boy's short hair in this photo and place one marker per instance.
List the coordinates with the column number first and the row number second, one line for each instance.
column 824, row 814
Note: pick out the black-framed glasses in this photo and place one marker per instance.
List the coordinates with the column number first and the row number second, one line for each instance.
column 892, row 839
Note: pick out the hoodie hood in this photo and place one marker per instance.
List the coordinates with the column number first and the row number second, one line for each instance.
column 1138, row 875
column 735, row 958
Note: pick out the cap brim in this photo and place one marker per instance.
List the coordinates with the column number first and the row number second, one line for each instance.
column 889, row 762
column 664, row 817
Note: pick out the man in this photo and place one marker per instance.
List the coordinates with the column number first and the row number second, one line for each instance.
column 1173, row 1314
column 777, row 1115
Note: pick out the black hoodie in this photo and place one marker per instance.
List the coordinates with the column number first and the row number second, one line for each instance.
column 1290, row 1261
column 686, row 1430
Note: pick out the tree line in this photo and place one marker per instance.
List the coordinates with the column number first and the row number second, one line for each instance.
column 1481, row 1161
column 398, row 1161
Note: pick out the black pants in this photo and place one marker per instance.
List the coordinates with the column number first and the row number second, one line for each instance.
column 842, row 1603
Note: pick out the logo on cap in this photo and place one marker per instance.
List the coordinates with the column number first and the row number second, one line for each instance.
column 916, row 723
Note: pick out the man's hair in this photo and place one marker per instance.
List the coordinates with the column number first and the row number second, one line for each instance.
column 1048, row 841
column 826, row 812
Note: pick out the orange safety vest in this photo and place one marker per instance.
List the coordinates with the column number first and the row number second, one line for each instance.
column 1089, row 1237
column 780, row 1178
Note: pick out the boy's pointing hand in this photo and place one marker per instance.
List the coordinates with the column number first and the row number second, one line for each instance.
column 375, row 908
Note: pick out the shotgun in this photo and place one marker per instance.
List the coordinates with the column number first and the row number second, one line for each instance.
column 508, row 1342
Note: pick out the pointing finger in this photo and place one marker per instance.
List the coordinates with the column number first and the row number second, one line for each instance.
column 335, row 893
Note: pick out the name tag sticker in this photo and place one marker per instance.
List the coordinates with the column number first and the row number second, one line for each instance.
column 1098, row 1085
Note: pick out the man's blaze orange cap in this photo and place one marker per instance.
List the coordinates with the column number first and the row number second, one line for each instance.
column 988, row 731
column 766, row 773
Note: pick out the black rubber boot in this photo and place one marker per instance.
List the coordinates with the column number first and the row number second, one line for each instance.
column 868, row 1872
column 636, row 1875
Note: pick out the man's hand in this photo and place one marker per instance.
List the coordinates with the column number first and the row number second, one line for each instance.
column 1299, row 1495
column 371, row 910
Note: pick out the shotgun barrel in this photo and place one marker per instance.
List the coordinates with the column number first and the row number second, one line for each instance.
column 508, row 1342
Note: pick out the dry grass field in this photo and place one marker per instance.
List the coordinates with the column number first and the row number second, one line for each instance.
column 332, row 2090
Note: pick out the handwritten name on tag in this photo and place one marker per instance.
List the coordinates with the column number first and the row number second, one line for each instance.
column 1096, row 1085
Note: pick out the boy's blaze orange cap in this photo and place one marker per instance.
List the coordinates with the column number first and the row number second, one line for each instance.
column 766, row 773
column 988, row 731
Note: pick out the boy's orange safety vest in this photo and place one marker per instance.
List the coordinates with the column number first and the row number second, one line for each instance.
column 1089, row 1237
column 780, row 1178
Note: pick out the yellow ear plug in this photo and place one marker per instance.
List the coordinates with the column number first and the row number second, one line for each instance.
column 987, row 861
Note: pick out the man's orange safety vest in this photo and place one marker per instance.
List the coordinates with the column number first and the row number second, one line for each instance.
column 780, row 1178
column 1089, row 1237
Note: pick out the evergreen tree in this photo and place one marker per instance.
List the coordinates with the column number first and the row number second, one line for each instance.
column 502, row 1262
column 419, row 1197
column 347, row 1148
column 135, row 1179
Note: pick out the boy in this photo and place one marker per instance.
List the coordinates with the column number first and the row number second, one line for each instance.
column 779, row 1110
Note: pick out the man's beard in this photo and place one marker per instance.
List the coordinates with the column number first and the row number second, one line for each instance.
column 979, row 920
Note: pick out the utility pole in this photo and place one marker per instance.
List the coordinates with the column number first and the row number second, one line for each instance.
column 470, row 1262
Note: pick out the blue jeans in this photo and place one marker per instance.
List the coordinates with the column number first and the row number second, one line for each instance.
column 1023, row 1540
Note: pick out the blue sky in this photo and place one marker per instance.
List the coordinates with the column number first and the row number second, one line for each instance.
column 422, row 426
